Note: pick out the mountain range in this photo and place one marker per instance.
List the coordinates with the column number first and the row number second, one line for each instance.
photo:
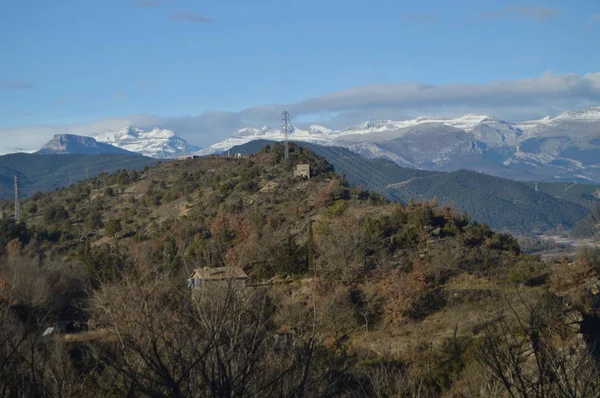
column 499, row 202
column 561, row 148
column 156, row 143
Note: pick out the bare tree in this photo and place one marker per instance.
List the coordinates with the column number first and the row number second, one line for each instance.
column 217, row 343
column 533, row 355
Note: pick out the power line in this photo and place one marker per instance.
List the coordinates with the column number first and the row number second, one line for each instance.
column 369, row 175
column 285, row 129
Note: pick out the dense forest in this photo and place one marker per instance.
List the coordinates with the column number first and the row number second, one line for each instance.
column 349, row 295
column 39, row 172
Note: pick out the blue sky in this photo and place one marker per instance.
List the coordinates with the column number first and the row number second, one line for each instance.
column 78, row 61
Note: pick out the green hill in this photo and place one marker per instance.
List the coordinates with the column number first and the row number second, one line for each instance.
column 48, row 172
column 586, row 195
column 498, row 202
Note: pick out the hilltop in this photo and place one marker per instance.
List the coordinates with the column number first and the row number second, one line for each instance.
column 376, row 297
column 498, row 202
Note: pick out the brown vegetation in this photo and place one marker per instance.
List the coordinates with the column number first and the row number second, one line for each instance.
column 380, row 299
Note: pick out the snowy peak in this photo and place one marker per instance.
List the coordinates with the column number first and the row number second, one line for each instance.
column 253, row 132
column 76, row 144
column 466, row 123
column 591, row 114
column 156, row 143
column 316, row 129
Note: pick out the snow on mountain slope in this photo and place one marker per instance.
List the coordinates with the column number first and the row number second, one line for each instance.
column 591, row 114
column 157, row 143
column 76, row 144
column 567, row 145
column 489, row 129
column 314, row 134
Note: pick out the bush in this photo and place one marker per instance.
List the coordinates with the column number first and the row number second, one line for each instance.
column 113, row 227
column 55, row 213
column 10, row 230
column 37, row 196
column 589, row 256
column 337, row 209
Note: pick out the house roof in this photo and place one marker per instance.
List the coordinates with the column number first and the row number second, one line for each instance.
column 219, row 273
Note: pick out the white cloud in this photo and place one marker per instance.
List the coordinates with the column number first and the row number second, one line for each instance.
column 514, row 100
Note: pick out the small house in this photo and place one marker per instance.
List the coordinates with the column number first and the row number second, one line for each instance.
column 218, row 276
column 302, row 170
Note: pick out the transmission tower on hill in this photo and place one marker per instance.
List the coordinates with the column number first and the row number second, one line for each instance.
column 17, row 204
column 286, row 129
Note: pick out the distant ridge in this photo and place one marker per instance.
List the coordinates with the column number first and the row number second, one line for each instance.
column 73, row 144
column 45, row 173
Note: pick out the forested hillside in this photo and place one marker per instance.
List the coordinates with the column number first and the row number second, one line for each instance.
column 38, row 172
column 348, row 295
column 586, row 195
column 501, row 203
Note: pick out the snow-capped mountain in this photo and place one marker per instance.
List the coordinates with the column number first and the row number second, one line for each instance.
column 315, row 134
column 564, row 147
column 76, row 144
column 156, row 143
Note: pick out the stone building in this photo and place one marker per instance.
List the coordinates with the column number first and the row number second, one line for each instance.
column 302, row 170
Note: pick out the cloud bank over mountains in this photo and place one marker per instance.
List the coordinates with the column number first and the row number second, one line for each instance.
column 516, row 100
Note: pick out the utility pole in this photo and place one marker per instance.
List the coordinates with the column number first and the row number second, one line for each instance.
column 17, row 204
column 286, row 129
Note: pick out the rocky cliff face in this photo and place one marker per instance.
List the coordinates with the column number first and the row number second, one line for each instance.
column 79, row 145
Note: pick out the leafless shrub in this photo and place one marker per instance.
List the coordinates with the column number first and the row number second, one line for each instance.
column 538, row 356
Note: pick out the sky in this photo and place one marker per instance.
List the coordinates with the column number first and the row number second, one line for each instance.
column 209, row 67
